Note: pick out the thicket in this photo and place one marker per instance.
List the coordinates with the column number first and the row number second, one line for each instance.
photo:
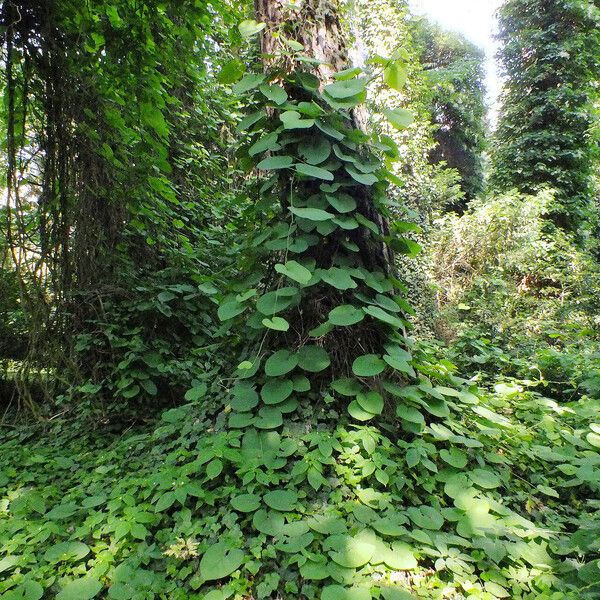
column 212, row 283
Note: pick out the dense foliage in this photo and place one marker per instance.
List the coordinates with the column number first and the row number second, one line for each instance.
column 456, row 99
column 224, row 385
column 550, row 56
column 117, row 155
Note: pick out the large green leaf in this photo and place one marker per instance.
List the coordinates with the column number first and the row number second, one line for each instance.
column 245, row 397
column 426, row 517
column 292, row 119
column 485, row 478
column 270, row 417
column 455, row 457
column 357, row 412
column 347, row 386
column 219, row 561
column 231, row 71
column 66, row 551
column 400, row 118
column 229, row 310
column 313, row 359
column 346, row 88
column 314, row 172
column 276, row 162
column 314, row 570
column 276, row 301
column 353, row 551
column 281, row 500
column 312, row 214
column 338, row 278
column 274, row 93
column 281, row 363
column 346, row 315
column 364, row 178
column 378, row 313
column 338, row 592
column 294, row 270
column 249, row 28
column 275, row 391
column 270, row 523
column 343, row 203
column 368, row 365
column 395, row 75
column 80, row 589
column 315, row 151
column 267, row 142
column 248, row 82
column 246, row 503
column 276, row 323
column 371, row 402
column 400, row 557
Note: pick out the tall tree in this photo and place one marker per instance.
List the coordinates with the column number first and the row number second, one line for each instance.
column 456, row 99
column 551, row 59
column 316, row 26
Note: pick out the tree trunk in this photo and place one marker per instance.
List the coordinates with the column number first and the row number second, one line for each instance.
column 316, row 25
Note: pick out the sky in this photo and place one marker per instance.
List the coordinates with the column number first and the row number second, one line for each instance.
column 475, row 20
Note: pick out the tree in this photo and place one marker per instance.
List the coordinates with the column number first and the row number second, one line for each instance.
column 551, row 58
column 104, row 102
column 315, row 25
column 456, row 98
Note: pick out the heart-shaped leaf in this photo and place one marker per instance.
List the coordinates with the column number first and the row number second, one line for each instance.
column 312, row 214
column 275, row 391
column 281, row 363
column 314, row 172
column 371, row 402
column 80, row 589
column 346, row 315
column 219, row 561
column 249, row 28
column 294, row 270
column 313, row 359
column 246, row 503
column 400, row 118
column 275, row 162
column 275, row 93
column 281, row 500
column 346, row 88
column 276, row 323
column 368, row 365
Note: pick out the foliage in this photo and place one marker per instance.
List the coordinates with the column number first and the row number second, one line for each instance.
column 137, row 183
column 522, row 301
column 504, row 265
column 544, row 139
column 341, row 459
column 456, row 100
column 383, row 28
column 140, row 514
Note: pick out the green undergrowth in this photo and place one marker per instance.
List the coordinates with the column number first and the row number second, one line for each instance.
column 495, row 498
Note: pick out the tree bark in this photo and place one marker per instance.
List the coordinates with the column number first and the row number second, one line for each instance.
column 314, row 23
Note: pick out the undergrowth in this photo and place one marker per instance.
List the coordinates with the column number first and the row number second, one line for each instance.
column 492, row 500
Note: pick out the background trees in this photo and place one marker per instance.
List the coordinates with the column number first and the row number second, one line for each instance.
column 207, row 245
column 456, row 99
column 544, row 139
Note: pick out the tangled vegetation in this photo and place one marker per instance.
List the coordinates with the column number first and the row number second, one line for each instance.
column 222, row 377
